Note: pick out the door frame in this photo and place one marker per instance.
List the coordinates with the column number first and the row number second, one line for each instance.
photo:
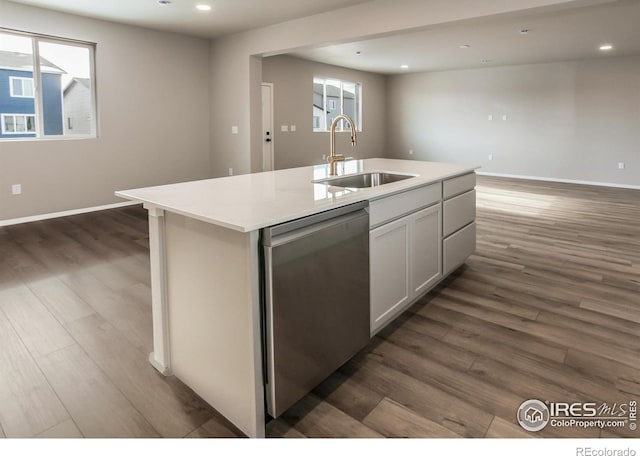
column 266, row 160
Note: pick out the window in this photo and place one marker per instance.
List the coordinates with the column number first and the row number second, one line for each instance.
column 21, row 87
column 15, row 124
column 47, row 87
column 333, row 97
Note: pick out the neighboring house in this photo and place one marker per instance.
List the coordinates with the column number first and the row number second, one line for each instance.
column 17, row 102
column 77, row 107
column 333, row 108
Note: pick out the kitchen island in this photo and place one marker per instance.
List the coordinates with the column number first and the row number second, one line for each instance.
column 206, row 261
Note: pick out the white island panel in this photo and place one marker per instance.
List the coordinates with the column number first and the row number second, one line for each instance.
column 214, row 317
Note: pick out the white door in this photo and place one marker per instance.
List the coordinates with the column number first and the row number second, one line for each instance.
column 267, row 126
column 389, row 269
column 424, row 249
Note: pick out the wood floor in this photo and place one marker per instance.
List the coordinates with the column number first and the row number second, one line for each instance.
column 547, row 308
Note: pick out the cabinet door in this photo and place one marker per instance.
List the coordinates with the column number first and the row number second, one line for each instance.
column 389, row 268
column 425, row 249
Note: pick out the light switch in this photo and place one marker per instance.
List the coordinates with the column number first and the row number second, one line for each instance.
column 620, row 165
column 410, row 151
column 284, row 128
column 292, row 128
column 489, row 117
column 504, row 117
column 234, row 129
column 490, row 157
column 16, row 189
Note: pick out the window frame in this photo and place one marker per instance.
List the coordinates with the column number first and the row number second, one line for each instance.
column 22, row 81
column 36, row 39
column 358, row 97
column 14, row 115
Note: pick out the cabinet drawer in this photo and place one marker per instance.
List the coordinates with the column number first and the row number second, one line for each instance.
column 457, row 247
column 392, row 207
column 457, row 185
column 458, row 212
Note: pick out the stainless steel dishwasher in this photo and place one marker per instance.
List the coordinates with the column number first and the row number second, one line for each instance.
column 316, row 300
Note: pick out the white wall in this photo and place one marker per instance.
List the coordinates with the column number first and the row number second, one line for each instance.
column 153, row 112
column 569, row 120
column 292, row 80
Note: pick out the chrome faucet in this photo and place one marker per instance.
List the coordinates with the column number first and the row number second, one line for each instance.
column 333, row 159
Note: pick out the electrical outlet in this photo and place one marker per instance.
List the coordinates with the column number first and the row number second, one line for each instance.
column 292, row 128
column 230, row 171
column 620, row 165
column 16, row 189
column 490, row 157
column 324, row 156
column 284, row 128
column 410, row 151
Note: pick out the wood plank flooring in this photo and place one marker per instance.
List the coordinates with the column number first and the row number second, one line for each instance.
column 547, row 308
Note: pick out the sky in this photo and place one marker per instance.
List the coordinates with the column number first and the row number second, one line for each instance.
column 72, row 59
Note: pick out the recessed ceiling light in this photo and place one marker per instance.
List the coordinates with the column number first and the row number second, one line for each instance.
column 203, row 7
column 464, row 46
column 606, row 47
column 164, row 2
column 404, row 66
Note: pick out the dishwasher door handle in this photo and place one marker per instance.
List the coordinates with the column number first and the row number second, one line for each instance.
column 294, row 235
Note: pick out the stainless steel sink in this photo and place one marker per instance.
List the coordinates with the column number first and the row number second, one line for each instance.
column 364, row 180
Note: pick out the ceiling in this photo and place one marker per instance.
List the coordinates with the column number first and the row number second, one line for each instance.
column 181, row 16
column 570, row 34
column 565, row 35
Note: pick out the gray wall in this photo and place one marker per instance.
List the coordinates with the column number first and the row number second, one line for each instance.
column 292, row 80
column 153, row 118
column 568, row 120
column 236, row 78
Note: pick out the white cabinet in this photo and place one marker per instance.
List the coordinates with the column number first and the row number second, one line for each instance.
column 417, row 237
column 405, row 259
column 386, row 209
column 458, row 247
column 389, row 269
column 425, row 249
column 459, row 214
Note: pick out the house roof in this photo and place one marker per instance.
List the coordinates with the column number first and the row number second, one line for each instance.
column 82, row 81
column 24, row 62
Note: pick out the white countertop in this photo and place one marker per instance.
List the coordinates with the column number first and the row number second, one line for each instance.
column 252, row 201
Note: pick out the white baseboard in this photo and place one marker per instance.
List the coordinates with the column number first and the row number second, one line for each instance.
column 84, row 210
column 564, row 181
